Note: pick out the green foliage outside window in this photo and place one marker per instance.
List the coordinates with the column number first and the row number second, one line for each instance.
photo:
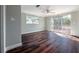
column 66, row 20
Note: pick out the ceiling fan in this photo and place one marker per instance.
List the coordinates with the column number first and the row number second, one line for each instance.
column 47, row 10
column 37, row 5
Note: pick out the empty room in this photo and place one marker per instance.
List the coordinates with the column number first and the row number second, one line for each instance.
column 41, row 28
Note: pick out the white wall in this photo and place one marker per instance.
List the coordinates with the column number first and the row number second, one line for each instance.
column 13, row 26
column 28, row 28
column 75, row 23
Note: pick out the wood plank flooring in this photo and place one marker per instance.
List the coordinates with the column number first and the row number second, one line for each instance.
column 47, row 42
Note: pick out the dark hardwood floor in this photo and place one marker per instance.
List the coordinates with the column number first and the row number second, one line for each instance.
column 47, row 42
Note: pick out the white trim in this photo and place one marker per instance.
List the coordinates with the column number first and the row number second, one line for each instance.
column 31, row 32
column 4, row 27
column 13, row 46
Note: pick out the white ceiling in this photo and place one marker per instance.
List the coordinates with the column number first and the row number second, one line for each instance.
column 58, row 9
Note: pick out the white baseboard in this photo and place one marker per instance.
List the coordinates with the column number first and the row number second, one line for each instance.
column 13, row 46
column 31, row 32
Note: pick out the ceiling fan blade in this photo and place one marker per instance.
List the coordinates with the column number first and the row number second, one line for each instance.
column 52, row 12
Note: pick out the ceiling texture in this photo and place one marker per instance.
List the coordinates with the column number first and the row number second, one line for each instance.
column 48, row 10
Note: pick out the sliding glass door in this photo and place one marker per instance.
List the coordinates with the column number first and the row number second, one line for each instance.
column 62, row 24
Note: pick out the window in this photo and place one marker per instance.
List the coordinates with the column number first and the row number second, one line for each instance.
column 66, row 20
column 32, row 20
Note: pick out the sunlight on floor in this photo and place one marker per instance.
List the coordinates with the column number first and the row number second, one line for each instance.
column 69, row 36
